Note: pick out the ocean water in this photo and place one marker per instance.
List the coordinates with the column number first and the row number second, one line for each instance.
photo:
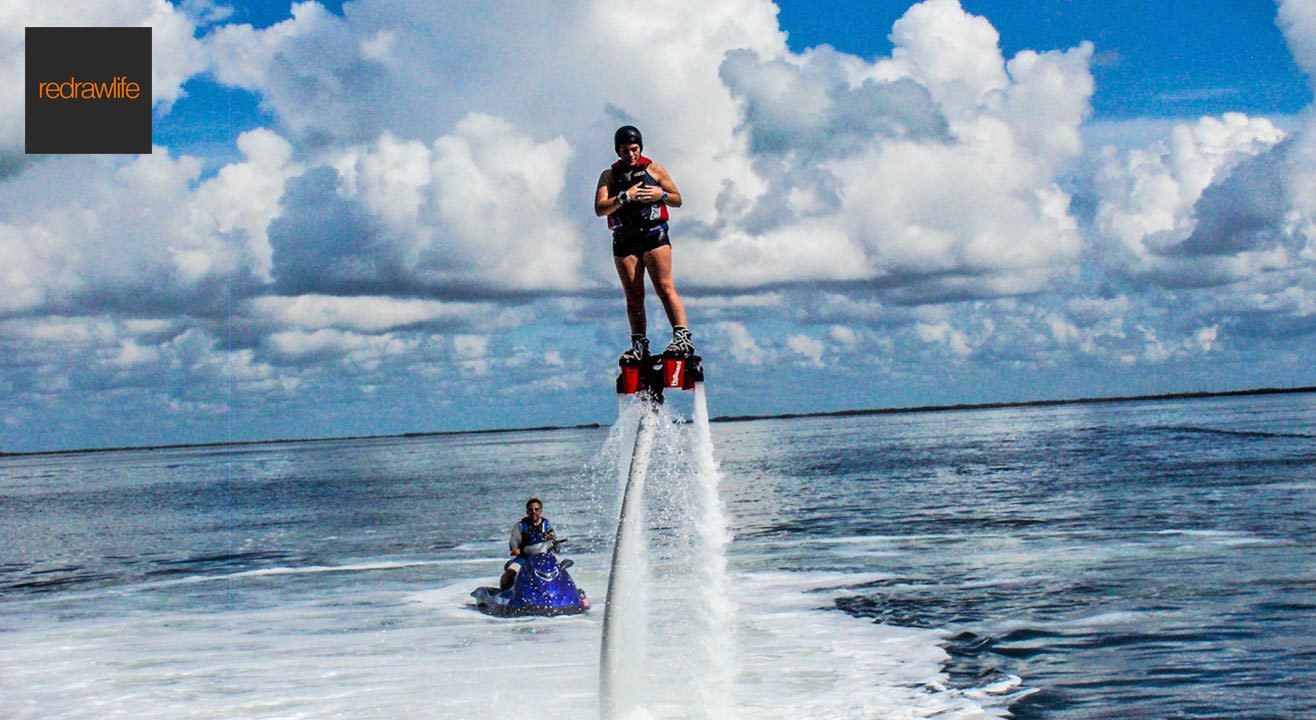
column 1122, row 560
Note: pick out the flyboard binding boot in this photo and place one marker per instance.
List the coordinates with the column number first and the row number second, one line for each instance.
column 682, row 344
column 638, row 351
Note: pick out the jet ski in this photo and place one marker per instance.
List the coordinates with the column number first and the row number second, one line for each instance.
column 542, row 587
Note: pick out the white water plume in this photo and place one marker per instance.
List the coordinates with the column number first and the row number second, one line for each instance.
column 717, row 611
column 671, row 517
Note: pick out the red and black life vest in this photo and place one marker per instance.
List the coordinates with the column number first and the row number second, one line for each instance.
column 634, row 215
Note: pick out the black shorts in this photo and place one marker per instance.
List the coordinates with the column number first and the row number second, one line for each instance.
column 638, row 242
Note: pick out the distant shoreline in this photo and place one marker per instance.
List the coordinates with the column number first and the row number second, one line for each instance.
column 719, row 418
column 1020, row 403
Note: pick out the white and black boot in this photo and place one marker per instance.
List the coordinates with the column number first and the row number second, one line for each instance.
column 639, row 350
column 683, row 343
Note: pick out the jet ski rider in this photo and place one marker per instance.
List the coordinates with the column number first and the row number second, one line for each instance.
column 532, row 529
column 634, row 194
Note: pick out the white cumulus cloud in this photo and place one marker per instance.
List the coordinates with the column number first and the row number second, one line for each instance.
column 365, row 313
column 807, row 347
column 146, row 234
column 477, row 211
column 744, row 349
column 930, row 174
column 1153, row 199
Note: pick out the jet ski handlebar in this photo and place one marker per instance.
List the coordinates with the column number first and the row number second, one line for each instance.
column 543, row 547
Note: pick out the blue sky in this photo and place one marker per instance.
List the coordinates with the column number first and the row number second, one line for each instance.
column 1155, row 58
column 373, row 217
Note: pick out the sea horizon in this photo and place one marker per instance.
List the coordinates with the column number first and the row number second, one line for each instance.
column 855, row 412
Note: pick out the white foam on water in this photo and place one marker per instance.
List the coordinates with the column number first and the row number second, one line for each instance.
column 805, row 661
column 1227, row 538
column 866, row 539
column 316, row 569
column 708, row 642
column 427, row 653
column 120, row 591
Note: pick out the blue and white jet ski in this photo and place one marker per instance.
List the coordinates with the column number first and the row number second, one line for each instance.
column 542, row 587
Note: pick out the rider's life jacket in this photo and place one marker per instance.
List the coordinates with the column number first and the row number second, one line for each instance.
column 532, row 536
column 634, row 215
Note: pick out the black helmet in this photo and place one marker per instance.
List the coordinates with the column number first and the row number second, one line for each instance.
column 625, row 135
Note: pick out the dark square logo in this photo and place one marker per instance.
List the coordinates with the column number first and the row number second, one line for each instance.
column 88, row 90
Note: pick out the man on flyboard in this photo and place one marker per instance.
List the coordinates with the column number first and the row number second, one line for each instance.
column 634, row 194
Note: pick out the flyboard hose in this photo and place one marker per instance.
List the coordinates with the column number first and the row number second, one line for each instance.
column 619, row 638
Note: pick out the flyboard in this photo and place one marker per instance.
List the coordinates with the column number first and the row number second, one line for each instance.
column 646, row 380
